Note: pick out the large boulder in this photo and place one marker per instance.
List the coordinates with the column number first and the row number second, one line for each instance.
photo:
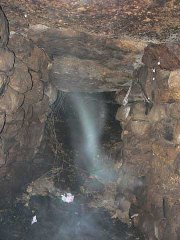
column 21, row 79
column 166, row 56
column 36, row 93
column 38, row 60
column 11, row 101
column 21, row 46
column 6, row 60
column 3, row 82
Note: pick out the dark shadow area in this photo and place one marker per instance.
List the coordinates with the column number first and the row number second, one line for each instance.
column 65, row 137
column 57, row 220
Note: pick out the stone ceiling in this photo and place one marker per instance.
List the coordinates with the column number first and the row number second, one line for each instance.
column 94, row 45
column 158, row 19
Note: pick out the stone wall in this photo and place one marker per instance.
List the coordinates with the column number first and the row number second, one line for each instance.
column 150, row 176
column 23, row 104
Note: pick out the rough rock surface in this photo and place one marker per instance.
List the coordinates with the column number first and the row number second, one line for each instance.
column 157, row 19
column 82, row 62
column 151, row 147
column 20, row 90
column 102, row 52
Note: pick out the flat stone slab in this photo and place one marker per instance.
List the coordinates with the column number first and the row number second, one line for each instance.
column 84, row 62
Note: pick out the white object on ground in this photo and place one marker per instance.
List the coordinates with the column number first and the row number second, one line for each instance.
column 68, row 198
column 34, row 220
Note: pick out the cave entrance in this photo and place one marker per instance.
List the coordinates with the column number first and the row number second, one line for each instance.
column 86, row 127
column 84, row 138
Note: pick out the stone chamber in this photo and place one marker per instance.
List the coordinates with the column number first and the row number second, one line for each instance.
column 90, row 120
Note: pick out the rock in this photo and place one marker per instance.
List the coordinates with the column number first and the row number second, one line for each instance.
column 174, row 79
column 144, row 78
column 4, row 30
column 52, row 92
column 11, row 101
column 21, row 46
column 123, row 113
column 174, row 47
column 19, row 115
column 72, row 74
column 34, row 135
column 6, row 60
column 177, row 165
column 157, row 113
column 174, row 110
column 28, row 108
column 123, row 215
column 138, row 112
column 176, row 135
column 3, row 82
column 21, row 79
column 43, row 187
column 36, row 94
column 167, row 90
column 41, row 109
column 85, row 62
column 160, row 86
column 162, row 55
column 2, row 158
column 38, row 28
column 120, row 95
column 140, row 128
column 2, row 121
column 38, row 61
column 11, row 129
column 14, row 123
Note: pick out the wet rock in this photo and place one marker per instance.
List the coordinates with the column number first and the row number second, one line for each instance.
column 21, row 80
column 162, row 55
column 6, row 60
column 11, row 101
column 4, row 30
